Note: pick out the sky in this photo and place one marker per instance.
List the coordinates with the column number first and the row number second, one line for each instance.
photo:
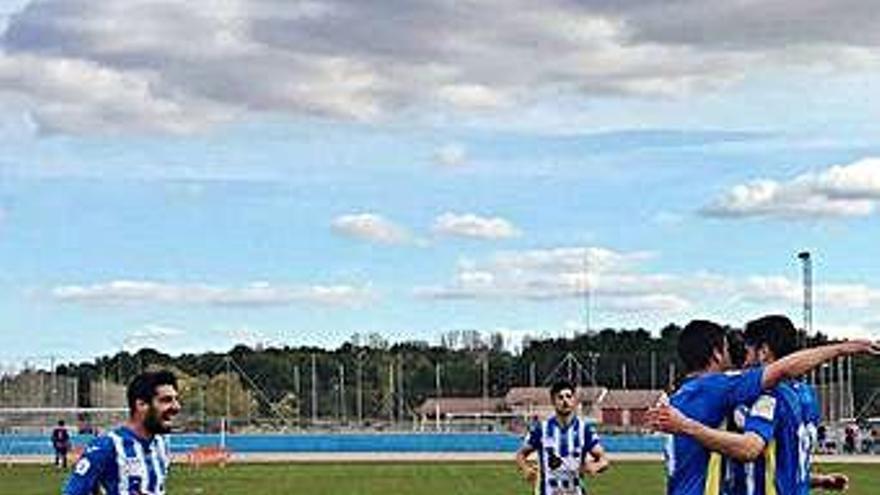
column 191, row 175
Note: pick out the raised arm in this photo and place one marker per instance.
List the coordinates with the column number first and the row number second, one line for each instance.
column 798, row 363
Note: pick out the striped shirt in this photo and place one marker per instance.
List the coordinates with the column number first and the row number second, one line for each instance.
column 561, row 451
column 121, row 463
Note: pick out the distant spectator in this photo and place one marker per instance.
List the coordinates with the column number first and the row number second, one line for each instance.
column 61, row 444
column 821, row 436
column 849, row 442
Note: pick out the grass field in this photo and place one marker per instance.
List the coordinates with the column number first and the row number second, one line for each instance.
column 640, row 478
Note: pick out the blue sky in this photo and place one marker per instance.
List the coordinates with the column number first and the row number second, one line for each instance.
column 188, row 175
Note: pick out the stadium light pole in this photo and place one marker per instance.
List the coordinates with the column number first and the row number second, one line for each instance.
column 437, row 393
column 298, row 393
column 807, row 264
column 532, row 375
column 314, row 390
column 360, row 387
column 807, row 280
column 343, row 416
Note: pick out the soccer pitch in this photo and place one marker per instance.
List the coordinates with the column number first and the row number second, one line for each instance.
column 438, row 478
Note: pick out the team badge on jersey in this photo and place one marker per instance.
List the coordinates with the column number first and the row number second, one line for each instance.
column 764, row 407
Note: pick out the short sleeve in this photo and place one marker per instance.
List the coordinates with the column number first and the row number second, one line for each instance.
column 90, row 467
column 762, row 417
column 591, row 438
column 533, row 436
column 744, row 387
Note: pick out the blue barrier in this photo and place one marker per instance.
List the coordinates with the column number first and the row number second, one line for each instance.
column 341, row 442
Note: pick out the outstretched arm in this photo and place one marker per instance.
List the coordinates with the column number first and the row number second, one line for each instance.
column 741, row 446
column 798, row 363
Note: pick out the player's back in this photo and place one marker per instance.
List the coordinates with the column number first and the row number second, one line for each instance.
column 809, row 439
column 708, row 398
column 777, row 417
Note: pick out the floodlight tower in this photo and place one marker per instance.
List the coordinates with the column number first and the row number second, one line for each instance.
column 807, row 264
column 587, row 289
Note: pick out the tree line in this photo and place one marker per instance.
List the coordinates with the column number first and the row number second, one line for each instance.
column 368, row 378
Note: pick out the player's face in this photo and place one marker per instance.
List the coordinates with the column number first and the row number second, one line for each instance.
column 722, row 357
column 564, row 402
column 752, row 358
column 162, row 410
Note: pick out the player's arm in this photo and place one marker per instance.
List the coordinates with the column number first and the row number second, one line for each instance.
column 522, row 463
column 829, row 481
column 596, row 461
column 531, row 443
column 90, row 467
column 800, row 362
column 741, row 446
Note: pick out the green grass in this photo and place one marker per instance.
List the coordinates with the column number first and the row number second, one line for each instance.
column 442, row 478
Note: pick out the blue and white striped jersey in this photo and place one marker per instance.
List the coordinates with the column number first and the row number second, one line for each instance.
column 561, row 450
column 121, row 463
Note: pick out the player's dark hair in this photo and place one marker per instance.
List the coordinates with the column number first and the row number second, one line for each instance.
column 560, row 385
column 697, row 342
column 143, row 386
column 777, row 331
column 736, row 346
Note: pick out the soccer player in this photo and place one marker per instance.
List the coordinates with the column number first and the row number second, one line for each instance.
column 134, row 458
column 708, row 396
column 61, row 444
column 777, row 430
column 567, row 448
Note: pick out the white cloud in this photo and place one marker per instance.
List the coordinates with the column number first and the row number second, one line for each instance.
column 67, row 95
column 859, row 180
column 785, row 290
column 248, row 336
column 620, row 285
column 576, row 259
column 150, row 335
column 474, row 226
column 840, row 191
column 849, row 331
column 255, row 294
column 369, row 60
column 561, row 273
column 370, row 227
column 451, row 155
column 473, row 96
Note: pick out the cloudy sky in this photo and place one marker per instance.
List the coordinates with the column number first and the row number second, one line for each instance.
column 187, row 175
